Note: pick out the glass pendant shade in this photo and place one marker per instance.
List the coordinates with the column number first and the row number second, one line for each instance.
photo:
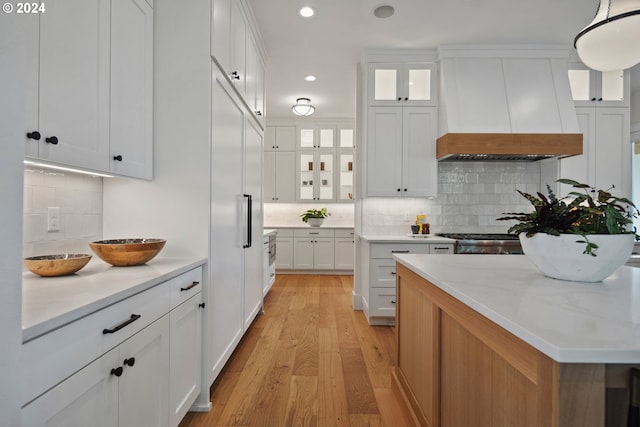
column 610, row 41
column 303, row 107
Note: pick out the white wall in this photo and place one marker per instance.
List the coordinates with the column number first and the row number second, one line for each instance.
column 13, row 32
column 288, row 214
column 80, row 200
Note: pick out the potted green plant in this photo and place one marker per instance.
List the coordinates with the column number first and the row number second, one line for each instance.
column 584, row 236
column 315, row 217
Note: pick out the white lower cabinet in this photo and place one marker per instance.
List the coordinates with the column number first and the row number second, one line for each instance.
column 284, row 249
column 124, row 365
column 344, row 250
column 379, row 293
column 127, row 386
column 313, row 249
column 185, row 381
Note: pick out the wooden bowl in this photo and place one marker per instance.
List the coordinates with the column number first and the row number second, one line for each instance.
column 56, row 265
column 127, row 252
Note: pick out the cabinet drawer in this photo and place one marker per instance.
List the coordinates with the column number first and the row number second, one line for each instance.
column 383, row 302
column 441, row 248
column 284, row 232
column 383, row 273
column 383, row 250
column 185, row 286
column 313, row 233
column 345, row 233
column 49, row 359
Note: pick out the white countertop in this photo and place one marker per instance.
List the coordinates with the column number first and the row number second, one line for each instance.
column 572, row 322
column 418, row 238
column 268, row 231
column 51, row 302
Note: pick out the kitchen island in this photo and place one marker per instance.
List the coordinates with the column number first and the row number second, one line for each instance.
column 489, row 341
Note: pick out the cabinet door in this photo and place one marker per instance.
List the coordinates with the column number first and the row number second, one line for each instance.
column 345, row 175
column 284, row 252
column 270, row 176
column 143, row 387
column 581, row 168
column 185, row 357
column 87, row 398
column 344, row 254
column 285, row 176
column 384, row 151
column 302, row 253
column 74, row 83
column 606, row 89
column 253, row 255
column 238, row 47
column 131, row 126
column 221, row 33
column 384, row 87
column 419, row 165
column 612, row 151
column 323, row 253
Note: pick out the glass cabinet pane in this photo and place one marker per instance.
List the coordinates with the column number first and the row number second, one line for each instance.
column 612, row 85
column 306, row 176
column 420, row 85
column 346, row 177
column 326, row 176
column 326, row 138
column 385, row 84
column 306, row 138
column 346, row 138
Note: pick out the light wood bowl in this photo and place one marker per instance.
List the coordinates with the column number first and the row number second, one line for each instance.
column 56, row 265
column 127, row 252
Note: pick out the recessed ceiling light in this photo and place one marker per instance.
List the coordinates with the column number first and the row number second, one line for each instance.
column 310, row 78
column 306, row 12
column 383, row 11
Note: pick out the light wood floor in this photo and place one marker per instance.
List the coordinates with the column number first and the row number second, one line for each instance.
column 310, row 360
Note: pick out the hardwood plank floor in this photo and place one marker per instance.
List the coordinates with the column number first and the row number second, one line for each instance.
column 309, row 360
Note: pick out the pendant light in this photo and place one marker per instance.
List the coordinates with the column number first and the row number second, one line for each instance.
column 610, row 41
column 303, row 107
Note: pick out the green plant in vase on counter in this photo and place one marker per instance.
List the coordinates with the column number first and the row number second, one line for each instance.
column 314, row 213
column 579, row 213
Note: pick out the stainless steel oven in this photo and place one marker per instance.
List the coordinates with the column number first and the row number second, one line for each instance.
column 485, row 243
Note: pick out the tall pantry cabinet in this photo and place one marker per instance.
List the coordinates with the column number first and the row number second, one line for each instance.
column 206, row 195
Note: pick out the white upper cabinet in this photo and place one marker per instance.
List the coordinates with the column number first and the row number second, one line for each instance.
column 235, row 47
column 280, row 138
column 315, row 136
column 70, row 111
column 411, row 84
column 131, row 125
column 589, row 87
column 90, row 103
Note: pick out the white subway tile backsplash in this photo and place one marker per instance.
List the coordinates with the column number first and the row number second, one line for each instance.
column 80, row 200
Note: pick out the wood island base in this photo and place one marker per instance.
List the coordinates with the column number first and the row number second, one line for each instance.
column 456, row 368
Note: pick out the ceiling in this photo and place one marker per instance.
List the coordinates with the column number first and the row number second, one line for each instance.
column 331, row 43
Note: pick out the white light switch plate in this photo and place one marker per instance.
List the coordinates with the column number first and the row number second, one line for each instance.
column 53, row 218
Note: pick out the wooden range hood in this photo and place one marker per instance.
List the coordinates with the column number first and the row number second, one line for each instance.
column 507, row 146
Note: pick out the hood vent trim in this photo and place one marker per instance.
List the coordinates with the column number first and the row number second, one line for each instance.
column 507, row 146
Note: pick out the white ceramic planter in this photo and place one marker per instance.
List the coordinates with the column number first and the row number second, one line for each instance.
column 562, row 257
column 315, row 222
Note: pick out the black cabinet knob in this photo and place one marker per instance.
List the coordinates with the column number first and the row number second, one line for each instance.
column 117, row 158
column 405, row 189
column 117, row 371
column 406, row 98
column 593, row 99
column 35, row 135
column 258, row 113
column 399, row 98
column 130, row 361
column 399, row 190
column 235, row 76
column 52, row 140
column 599, row 99
column 201, row 305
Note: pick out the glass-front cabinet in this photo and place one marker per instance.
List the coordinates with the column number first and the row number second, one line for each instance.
column 605, row 88
column 316, row 137
column 316, row 174
column 345, row 176
column 393, row 84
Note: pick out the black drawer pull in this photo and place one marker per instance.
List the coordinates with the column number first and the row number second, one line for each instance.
column 393, row 301
column 393, row 272
column 117, row 371
column 116, row 328
column 192, row 285
column 401, row 252
column 130, row 361
column 437, row 248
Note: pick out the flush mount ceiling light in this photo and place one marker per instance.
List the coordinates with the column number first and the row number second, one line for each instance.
column 306, row 12
column 303, row 107
column 384, row 11
column 310, row 78
column 610, row 41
